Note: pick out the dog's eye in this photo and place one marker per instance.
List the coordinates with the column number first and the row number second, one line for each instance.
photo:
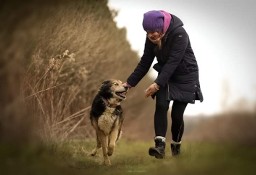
column 116, row 84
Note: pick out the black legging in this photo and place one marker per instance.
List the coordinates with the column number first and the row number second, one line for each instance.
column 160, row 118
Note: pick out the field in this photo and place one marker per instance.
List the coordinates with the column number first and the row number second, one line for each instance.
column 54, row 56
column 131, row 158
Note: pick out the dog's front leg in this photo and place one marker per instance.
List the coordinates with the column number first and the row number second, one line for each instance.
column 95, row 150
column 112, row 141
column 104, row 144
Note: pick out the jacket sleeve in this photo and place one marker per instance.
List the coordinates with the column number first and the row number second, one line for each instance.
column 144, row 64
column 176, row 52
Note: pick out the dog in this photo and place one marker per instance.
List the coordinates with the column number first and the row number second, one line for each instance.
column 106, row 117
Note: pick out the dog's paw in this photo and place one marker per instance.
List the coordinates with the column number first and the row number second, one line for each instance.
column 93, row 153
column 107, row 162
column 110, row 153
column 110, row 150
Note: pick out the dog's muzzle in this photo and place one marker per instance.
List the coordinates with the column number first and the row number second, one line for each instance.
column 121, row 94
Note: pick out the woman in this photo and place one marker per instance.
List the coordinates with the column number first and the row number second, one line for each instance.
column 177, row 79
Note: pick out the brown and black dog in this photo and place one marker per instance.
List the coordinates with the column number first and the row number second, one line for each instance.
column 106, row 116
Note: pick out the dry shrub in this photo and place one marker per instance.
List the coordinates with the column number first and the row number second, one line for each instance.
column 58, row 87
column 51, row 91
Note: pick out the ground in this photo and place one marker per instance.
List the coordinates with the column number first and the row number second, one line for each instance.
column 130, row 157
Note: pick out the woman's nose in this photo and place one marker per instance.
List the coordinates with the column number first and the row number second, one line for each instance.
column 150, row 34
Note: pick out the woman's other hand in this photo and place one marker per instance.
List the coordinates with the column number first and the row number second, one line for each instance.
column 151, row 90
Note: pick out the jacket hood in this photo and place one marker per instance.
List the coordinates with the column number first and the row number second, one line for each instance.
column 175, row 23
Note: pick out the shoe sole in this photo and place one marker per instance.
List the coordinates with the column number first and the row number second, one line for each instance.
column 155, row 153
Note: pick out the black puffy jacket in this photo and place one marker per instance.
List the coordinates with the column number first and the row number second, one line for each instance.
column 177, row 66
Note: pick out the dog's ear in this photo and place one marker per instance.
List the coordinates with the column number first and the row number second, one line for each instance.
column 106, row 82
column 105, row 85
column 105, row 89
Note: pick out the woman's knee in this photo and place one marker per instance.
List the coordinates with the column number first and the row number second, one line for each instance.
column 178, row 109
column 162, row 107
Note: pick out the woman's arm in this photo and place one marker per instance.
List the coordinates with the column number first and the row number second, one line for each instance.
column 144, row 64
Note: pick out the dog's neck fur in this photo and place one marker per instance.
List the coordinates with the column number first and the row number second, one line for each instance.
column 112, row 102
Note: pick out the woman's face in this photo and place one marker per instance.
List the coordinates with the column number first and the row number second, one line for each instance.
column 154, row 36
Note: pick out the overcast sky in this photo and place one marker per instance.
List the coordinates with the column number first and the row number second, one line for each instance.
column 222, row 34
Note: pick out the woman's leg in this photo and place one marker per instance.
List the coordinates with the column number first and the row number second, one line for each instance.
column 177, row 128
column 178, row 109
column 160, row 117
column 160, row 123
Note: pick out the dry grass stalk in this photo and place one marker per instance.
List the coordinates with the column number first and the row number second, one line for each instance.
column 51, row 92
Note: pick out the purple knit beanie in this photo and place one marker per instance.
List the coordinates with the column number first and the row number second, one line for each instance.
column 153, row 21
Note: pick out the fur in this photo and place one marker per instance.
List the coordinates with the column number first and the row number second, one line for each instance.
column 107, row 117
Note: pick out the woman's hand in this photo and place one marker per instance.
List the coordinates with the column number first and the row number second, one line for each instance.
column 152, row 89
column 126, row 85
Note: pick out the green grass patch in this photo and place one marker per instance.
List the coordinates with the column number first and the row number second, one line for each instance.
column 130, row 157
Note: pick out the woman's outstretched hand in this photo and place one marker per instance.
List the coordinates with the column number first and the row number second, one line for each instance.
column 151, row 90
column 126, row 85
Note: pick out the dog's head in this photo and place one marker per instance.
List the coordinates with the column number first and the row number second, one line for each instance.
column 113, row 89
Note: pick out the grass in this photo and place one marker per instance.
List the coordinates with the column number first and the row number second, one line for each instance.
column 130, row 157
